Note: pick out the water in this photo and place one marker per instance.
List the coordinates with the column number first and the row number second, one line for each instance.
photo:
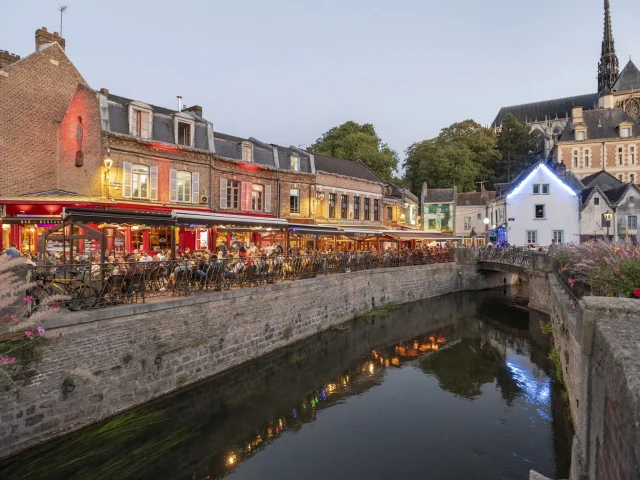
column 456, row 387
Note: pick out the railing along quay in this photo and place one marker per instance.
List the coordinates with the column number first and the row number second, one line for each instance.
column 95, row 285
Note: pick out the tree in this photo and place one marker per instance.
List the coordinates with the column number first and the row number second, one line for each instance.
column 353, row 141
column 518, row 146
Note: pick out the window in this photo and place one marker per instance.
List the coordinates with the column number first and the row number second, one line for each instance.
column 620, row 156
column 632, row 222
column 539, row 212
column 620, row 177
column 344, row 206
column 247, row 153
column 376, row 210
column 140, row 181
column 356, row 208
column 367, row 206
column 632, row 200
column 587, row 157
column 545, row 188
column 536, row 188
column 596, row 201
column 294, row 200
column 332, row 205
column 626, row 132
column 467, row 223
column 184, row 134
column 295, row 163
column 184, row 187
column 233, row 194
column 575, row 158
column 632, row 155
column 432, row 209
column 558, row 236
column 532, row 237
column 432, row 224
column 390, row 213
column 632, row 178
column 257, row 197
column 580, row 135
column 141, row 124
column 479, row 216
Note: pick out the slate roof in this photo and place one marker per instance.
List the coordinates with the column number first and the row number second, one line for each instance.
column 615, row 194
column 601, row 123
column 587, row 193
column 474, row 198
column 573, row 181
column 601, row 179
column 162, row 122
column 440, row 195
column 348, row 168
column 628, row 79
column 548, row 109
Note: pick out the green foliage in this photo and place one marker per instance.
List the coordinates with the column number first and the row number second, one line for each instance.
column 462, row 154
column 554, row 356
column 68, row 386
column 518, row 147
column 546, row 327
column 352, row 141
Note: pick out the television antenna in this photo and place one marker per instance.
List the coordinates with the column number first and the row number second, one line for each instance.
column 482, row 184
column 62, row 8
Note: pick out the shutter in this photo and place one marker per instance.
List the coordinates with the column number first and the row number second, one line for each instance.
column 223, row 193
column 131, row 121
column 350, row 206
column 126, row 179
column 195, row 187
column 173, row 185
column 246, row 196
column 267, row 198
column 153, row 180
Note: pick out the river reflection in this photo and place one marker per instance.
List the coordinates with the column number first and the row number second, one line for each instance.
column 453, row 387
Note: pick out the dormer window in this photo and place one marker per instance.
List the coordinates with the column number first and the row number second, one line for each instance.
column 247, row 152
column 580, row 135
column 625, row 132
column 295, row 162
column 184, row 129
column 140, row 120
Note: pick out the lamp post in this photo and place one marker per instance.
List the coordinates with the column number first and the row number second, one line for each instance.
column 108, row 163
column 607, row 217
column 486, row 228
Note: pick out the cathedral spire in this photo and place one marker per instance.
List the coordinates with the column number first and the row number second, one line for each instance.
column 608, row 66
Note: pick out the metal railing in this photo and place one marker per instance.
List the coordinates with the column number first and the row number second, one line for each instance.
column 510, row 256
column 88, row 286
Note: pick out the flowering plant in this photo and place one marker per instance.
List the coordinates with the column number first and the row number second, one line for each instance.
column 607, row 268
column 19, row 317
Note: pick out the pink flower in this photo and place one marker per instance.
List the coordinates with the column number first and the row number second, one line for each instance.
column 573, row 305
column 40, row 331
column 637, row 293
column 7, row 360
column 29, row 334
column 571, row 282
column 28, row 299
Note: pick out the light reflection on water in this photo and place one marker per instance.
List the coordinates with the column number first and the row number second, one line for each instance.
column 452, row 386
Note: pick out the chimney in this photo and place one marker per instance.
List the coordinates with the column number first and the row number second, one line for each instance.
column 104, row 91
column 43, row 37
column 7, row 58
column 197, row 109
column 576, row 115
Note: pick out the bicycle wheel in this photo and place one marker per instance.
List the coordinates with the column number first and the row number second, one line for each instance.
column 83, row 298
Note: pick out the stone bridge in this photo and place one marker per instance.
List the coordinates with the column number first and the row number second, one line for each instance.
column 521, row 262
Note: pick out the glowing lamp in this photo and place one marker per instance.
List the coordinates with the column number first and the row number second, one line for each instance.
column 486, row 221
column 108, row 163
column 135, row 227
column 607, row 216
column 6, row 226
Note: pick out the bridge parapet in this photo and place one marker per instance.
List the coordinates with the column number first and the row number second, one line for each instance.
column 524, row 259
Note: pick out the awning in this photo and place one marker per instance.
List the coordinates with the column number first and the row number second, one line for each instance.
column 302, row 229
column 31, row 219
column 405, row 235
column 129, row 217
column 186, row 217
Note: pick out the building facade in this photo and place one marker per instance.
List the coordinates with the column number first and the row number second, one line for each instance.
column 438, row 209
column 401, row 209
column 470, row 213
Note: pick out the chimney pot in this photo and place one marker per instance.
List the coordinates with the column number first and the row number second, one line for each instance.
column 104, row 91
column 197, row 109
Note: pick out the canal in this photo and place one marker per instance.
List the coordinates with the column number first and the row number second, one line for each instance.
column 453, row 387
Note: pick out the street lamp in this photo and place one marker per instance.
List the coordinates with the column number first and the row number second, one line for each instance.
column 108, row 163
column 607, row 217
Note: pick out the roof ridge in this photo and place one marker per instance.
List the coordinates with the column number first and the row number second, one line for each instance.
column 549, row 100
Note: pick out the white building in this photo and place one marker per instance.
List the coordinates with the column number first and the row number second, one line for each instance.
column 542, row 209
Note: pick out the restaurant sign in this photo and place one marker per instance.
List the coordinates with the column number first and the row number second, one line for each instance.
column 115, row 184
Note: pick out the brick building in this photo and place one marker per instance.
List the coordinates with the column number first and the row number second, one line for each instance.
column 401, row 208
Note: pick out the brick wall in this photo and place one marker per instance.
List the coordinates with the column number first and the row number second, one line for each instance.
column 242, row 172
column 176, row 343
column 351, row 187
column 43, row 84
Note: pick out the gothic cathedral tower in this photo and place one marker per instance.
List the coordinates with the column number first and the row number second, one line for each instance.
column 608, row 66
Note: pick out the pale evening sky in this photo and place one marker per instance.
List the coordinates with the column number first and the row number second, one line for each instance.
column 285, row 71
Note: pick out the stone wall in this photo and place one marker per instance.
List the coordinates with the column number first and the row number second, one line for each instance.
column 98, row 364
column 599, row 345
column 539, row 292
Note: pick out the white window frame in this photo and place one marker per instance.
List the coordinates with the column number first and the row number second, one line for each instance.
column 179, row 118
column 542, row 189
column 257, row 197
column 536, row 189
column 135, row 108
column 294, row 162
column 530, row 236
column 554, row 236
column 587, row 157
column 467, row 223
column 620, row 155
column 632, row 154
column 625, row 132
column 297, row 195
column 185, row 183
column 247, row 152
column 135, row 180
column 580, row 135
column 479, row 216
column 544, row 211
column 636, row 222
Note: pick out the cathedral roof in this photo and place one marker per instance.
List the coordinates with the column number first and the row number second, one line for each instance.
column 629, row 78
column 548, row 109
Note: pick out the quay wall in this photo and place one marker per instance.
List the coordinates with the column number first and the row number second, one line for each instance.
column 598, row 341
column 99, row 363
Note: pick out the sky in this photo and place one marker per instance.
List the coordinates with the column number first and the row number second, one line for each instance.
column 285, row 71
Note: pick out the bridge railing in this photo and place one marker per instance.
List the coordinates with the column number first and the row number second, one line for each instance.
column 518, row 257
